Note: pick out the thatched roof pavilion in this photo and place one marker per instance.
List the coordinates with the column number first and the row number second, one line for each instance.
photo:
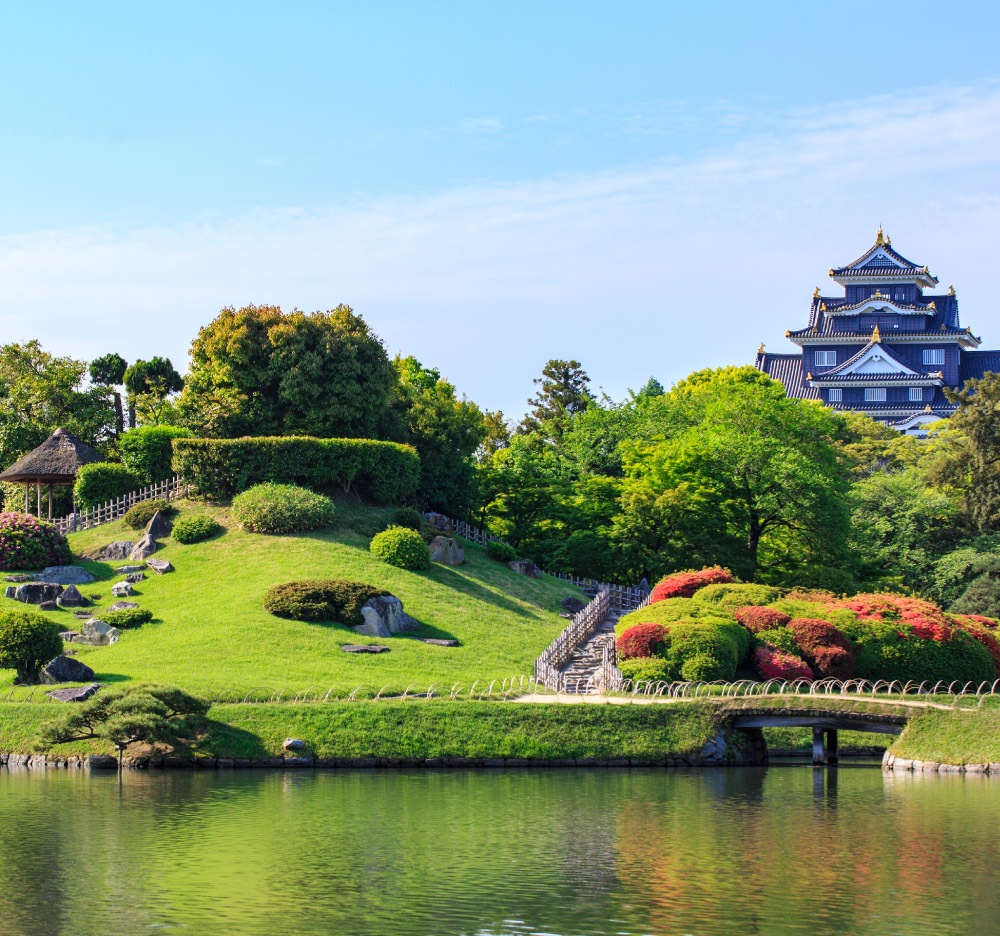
column 55, row 461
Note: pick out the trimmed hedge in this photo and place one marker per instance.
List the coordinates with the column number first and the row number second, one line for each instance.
column 125, row 618
column 731, row 596
column 194, row 529
column 282, row 508
column 148, row 451
column 99, row 482
column 28, row 543
column 502, row 552
column 385, row 471
column 653, row 669
column 27, row 642
column 321, row 600
column 139, row 515
column 402, row 548
column 685, row 584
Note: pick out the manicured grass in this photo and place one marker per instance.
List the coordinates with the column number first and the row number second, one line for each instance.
column 420, row 728
column 211, row 633
column 951, row 737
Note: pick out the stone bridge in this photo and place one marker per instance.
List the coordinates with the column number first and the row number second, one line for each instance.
column 825, row 724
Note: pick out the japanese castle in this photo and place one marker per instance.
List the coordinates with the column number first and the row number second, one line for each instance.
column 884, row 348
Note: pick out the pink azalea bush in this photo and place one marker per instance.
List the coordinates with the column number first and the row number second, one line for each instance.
column 773, row 663
column 27, row 543
column 685, row 584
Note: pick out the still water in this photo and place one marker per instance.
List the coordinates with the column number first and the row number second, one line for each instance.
column 781, row 850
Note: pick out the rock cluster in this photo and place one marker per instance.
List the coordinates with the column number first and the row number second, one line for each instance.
column 383, row 617
column 525, row 567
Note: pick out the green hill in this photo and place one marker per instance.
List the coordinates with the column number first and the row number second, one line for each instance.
column 210, row 632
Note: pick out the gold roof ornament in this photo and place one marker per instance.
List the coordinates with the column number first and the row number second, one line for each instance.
column 933, row 305
column 927, row 409
column 760, row 350
column 888, row 239
column 880, row 240
column 951, row 290
column 831, row 271
column 876, row 336
column 822, row 307
column 927, row 269
column 809, row 376
column 816, row 293
column 788, row 333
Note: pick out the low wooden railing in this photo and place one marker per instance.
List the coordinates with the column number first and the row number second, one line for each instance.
column 115, row 509
column 548, row 666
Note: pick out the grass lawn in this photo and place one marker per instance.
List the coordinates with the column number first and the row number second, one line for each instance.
column 210, row 632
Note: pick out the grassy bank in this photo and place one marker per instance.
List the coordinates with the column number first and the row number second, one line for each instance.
column 210, row 631
column 952, row 737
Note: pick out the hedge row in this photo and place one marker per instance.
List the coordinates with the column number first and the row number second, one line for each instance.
column 385, row 471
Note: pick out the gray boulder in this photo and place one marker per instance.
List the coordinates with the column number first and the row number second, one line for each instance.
column 71, row 598
column 65, row 575
column 573, row 605
column 144, row 547
column 525, row 567
column 445, row 549
column 134, row 578
column 160, row 566
column 158, row 526
column 66, row 669
column 123, row 606
column 439, row 522
column 122, row 590
column 20, row 578
column 80, row 694
column 47, row 606
column 97, row 633
column 120, row 549
column 11, row 592
column 37, row 592
column 363, row 648
column 293, row 744
column 128, row 569
column 383, row 617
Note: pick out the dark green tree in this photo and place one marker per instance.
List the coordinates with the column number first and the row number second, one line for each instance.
column 149, row 384
column 27, row 642
column 978, row 420
column 564, row 391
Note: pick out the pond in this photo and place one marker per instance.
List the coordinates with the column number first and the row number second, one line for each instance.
column 740, row 851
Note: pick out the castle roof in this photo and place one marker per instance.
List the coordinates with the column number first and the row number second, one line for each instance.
column 882, row 262
column 977, row 363
column 787, row 370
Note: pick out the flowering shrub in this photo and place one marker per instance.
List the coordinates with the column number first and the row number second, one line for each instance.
column 685, row 584
column 642, row 640
column 728, row 596
column 773, row 663
column 989, row 623
column 973, row 626
column 756, row 619
column 833, row 662
column 27, row 543
column 817, row 640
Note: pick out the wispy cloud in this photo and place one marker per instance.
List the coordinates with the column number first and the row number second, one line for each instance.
column 651, row 269
column 480, row 125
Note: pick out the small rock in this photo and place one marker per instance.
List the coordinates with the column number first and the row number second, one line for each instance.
column 97, row 633
column 47, row 606
column 439, row 522
column 134, row 578
column 364, row 648
column 37, row 592
column 71, row 598
column 101, row 762
column 445, row 549
column 69, row 636
column 128, row 569
column 80, row 694
column 83, row 615
column 159, row 566
column 120, row 549
column 525, row 567
column 20, row 578
column 65, row 575
column 572, row 605
column 438, row 642
column 65, row 669
column 11, row 592
column 144, row 547
column 122, row 590
column 124, row 606
column 293, row 744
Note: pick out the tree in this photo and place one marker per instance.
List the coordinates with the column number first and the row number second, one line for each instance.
column 978, row 419
column 497, row 435
column 27, row 642
column 109, row 372
column 259, row 371
column 564, row 391
column 149, row 384
column 425, row 413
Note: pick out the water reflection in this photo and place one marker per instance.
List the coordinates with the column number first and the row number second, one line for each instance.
column 771, row 851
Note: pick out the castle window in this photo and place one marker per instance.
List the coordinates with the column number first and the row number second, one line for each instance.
column 824, row 358
column 916, row 394
column 934, row 356
column 836, row 395
column 874, row 394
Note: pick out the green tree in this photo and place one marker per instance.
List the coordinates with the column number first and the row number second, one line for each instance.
column 109, row 372
column 259, row 371
column 978, row 420
column 497, row 435
column 27, row 642
column 149, row 385
column 564, row 391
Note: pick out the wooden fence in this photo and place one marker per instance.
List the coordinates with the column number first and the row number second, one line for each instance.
column 548, row 666
column 611, row 678
column 115, row 509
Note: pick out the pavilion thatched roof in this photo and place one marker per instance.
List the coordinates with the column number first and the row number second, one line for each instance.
column 55, row 461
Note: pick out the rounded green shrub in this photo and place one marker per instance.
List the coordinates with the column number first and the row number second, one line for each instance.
column 99, row 482
column 27, row 642
column 732, row 596
column 125, row 618
column 671, row 610
column 28, row 543
column 321, row 600
column 282, row 508
column 648, row 669
column 402, row 548
column 703, row 667
column 726, row 642
column 139, row 515
column 408, row 517
column 195, row 529
column 502, row 552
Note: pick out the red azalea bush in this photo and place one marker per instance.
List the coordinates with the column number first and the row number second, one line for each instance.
column 973, row 626
column 685, row 584
column 27, row 543
column 756, row 618
column 824, row 646
column 779, row 664
column 832, row 662
column 642, row 640
column 989, row 623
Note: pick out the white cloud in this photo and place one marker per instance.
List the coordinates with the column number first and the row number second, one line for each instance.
column 654, row 269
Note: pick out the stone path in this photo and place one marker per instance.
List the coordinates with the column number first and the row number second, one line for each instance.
column 580, row 675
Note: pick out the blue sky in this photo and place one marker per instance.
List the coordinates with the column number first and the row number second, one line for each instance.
column 647, row 187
